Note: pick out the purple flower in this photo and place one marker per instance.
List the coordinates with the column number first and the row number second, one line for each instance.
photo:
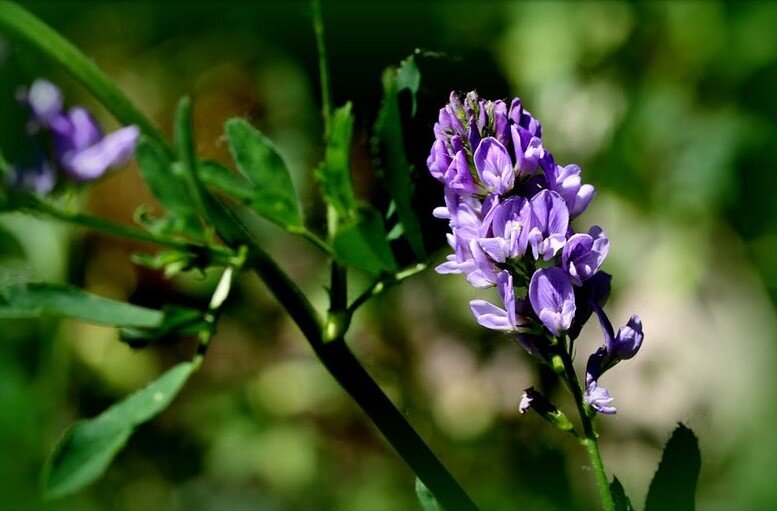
column 494, row 166
column 496, row 318
column 506, row 226
column 458, row 176
column 552, row 298
column 566, row 181
column 584, row 253
column 549, row 224
column 439, row 160
column 599, row 399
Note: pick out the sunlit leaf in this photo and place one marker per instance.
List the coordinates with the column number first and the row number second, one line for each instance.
column 674, row 484
column 88, row 447
column 362, row 243
column 389, row 147
column 256, row 157
column 335, row 171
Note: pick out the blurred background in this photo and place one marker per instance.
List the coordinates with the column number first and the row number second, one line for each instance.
column 670, row 110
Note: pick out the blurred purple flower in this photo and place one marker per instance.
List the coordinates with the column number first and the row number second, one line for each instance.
column 39, row 178
column 44, row 100
column 79, row 147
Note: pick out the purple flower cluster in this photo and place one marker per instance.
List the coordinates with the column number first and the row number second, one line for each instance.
column 78, row 146
column 510, row 208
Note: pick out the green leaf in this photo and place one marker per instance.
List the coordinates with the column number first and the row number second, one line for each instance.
column 88, row 447
column 257, row 158
column 225, row 181
column 362, row 243
column 40, row 299
column 425, row 497
column 335, row 171
column 168, row 184
column 674, row 484
column 187, row 153
column 622, row 502
column 389, row 147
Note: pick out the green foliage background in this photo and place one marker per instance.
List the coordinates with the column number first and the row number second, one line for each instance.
column 668, row 107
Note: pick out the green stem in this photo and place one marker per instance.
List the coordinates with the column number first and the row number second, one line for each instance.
column 346, row 369
column 589, row 438
column 34, row 206
column 382, row 283
column 20, row 24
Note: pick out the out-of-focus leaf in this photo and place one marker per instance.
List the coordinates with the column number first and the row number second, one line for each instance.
column 674, row 484
column 425, row 497
column 362, row 243
column 179, row 321
column 257, row 158
column 88, row 447
column 168, row 184
column 41, row 299
column 389, row 148
column 335, row 171
column 622, row 502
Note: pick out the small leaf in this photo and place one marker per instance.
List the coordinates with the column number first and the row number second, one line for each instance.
column 674, row 484
column 425, row 497
column 187, row 155
column 389, row 147
column 88, row 447
column 335, row 171
column 622, row 502
column 40, row 299
column 168, row 185
column 362, row 243
column 257, row 158
column 225, row 181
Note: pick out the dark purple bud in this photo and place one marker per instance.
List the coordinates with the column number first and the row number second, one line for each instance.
column 584, row 253
column 628, row 340
column 552, row 298
column 599, row 399
column 501, row 124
